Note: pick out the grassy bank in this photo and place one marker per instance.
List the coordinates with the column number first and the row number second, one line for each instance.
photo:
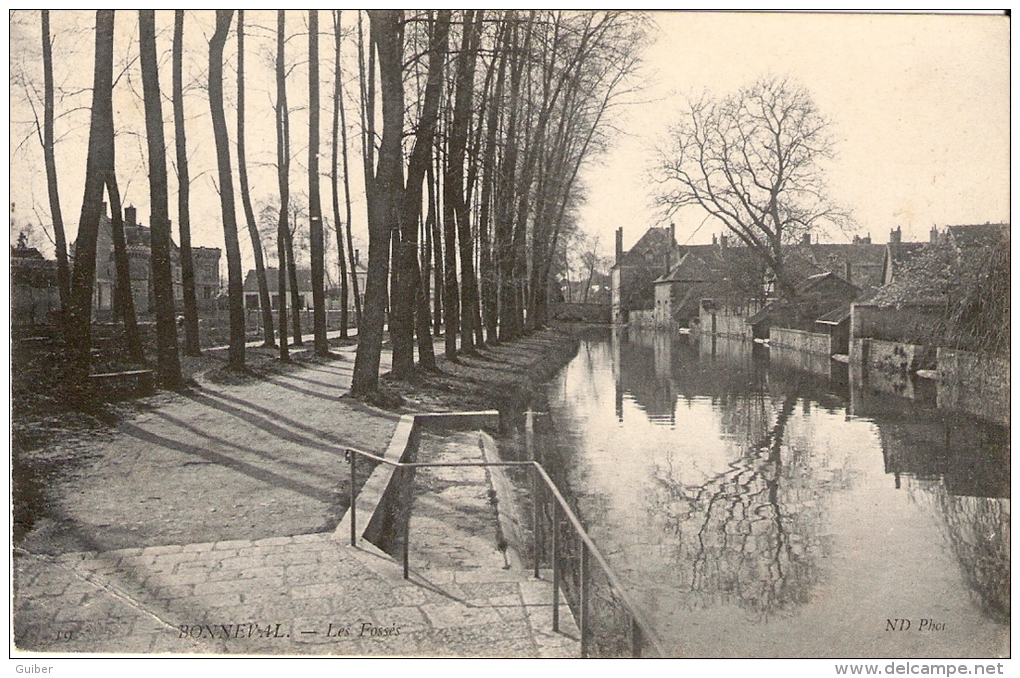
column 501, row 377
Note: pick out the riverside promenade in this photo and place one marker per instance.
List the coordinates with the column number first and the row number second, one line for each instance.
column 273, row 593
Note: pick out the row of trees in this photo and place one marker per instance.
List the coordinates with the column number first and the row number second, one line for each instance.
column 486, row 119
column 474, row 126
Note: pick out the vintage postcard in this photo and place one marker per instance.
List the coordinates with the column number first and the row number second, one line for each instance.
column 513, row 334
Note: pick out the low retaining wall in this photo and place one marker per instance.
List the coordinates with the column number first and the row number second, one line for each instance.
column 902, row 323
column 641, row 319
column 725, row 325
column 799, row 340
column 596, row 314
column 805, row 361
column 974, row 383
column 377, row 503
column 889, row 356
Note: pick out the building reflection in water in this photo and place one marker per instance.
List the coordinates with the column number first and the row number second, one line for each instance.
column 750, row 531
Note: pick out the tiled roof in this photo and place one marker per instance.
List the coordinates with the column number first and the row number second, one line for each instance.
column 979, row 235
column 251, row 283
column 650, row 248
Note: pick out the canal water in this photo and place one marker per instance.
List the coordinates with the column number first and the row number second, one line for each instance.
column 754, row 510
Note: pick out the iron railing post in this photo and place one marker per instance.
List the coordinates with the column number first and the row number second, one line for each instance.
column 529, row 441
column 642, row 637
column 584, row 601
column 407, row 526
column 535, row 503
column 354, row 503
column 556, row 566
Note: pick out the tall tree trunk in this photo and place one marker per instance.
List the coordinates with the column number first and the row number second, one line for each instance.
column 386, row 183
column 283, row 175
column 192, row 346
column 456, row 207
column 297, row 300
column 488, row 273
column 168, row 362
column 49, row 157
column 334, row 179
column 99, row 160
column 504, row 199
column 426, row 237
column 355, row 284
column 437, row 249
column 406, row 296
column 235, row 291
column 316, row 245
column 125, row 300
column 451, row 293
column 269, row 340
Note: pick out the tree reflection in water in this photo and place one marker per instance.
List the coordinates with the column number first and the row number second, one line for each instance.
column 749, row 536
column 977, row 532
column 738, row 538
column 718, row 479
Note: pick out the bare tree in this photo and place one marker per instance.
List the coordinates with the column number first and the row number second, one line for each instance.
column 410, row 313
column 334, row 179
column 752, row 160
column 283, row 173
column 125, row 303
column 457, row 210
column 191, row 339
column 63, row 268
column 269, row 340
column 167, row 360
column 383, row 185
column 99, row 159
column 314, row 201
column 235, row 291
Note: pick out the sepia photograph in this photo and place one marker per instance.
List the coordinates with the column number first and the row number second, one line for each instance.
column 516, row 333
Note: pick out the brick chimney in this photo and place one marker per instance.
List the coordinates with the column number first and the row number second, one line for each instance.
column 895, row 236
column 806, row 239
column 619, row 245
column 130, row 214
column 933, row 235
column 723, row 240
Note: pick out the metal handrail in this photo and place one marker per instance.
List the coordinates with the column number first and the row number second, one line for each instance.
column 641, row 629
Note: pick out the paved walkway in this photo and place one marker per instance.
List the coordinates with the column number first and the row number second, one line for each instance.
column 279, row 595
column 307, row 594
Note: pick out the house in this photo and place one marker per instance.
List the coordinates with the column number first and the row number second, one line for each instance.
column 731, row 277
column 137, row 240
column 817, row 296
column 678, row 294
column 251, row 288
column 635, row 271
column 34, row 292
column 925, row 281
column 859, row 262
column 304, row 279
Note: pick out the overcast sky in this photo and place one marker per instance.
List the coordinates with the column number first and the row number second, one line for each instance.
column 919, row 106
